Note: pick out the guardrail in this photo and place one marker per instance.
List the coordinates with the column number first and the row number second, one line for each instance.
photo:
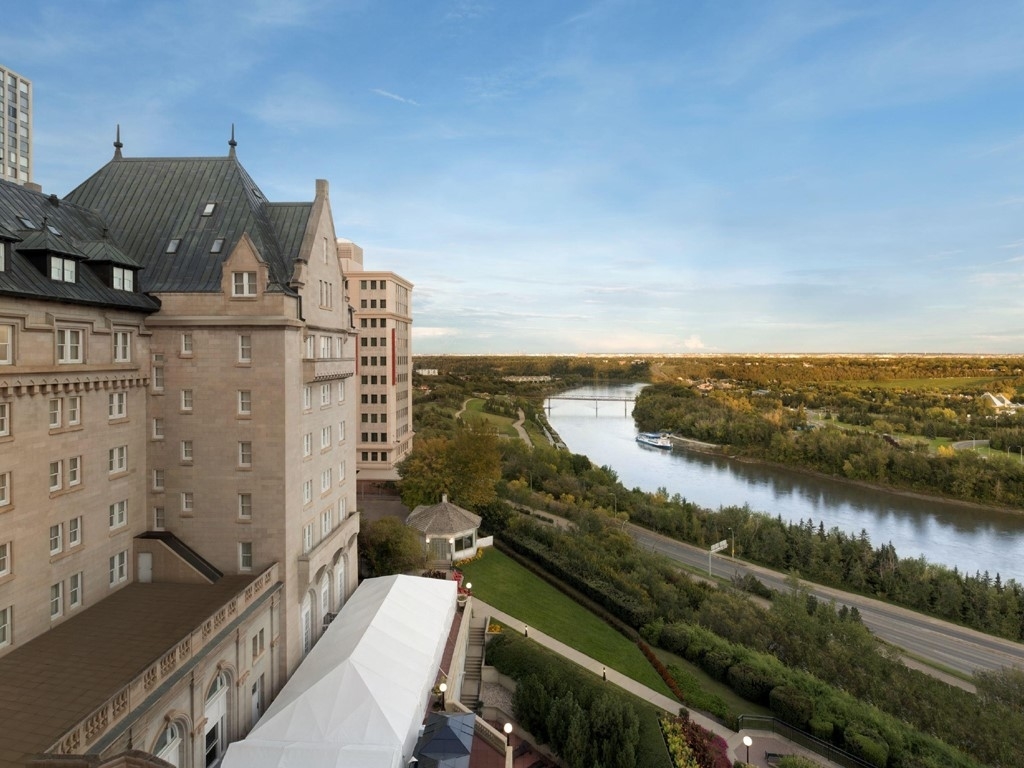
column 805, row 740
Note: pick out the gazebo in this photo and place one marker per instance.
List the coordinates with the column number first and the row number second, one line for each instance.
column 449, row 532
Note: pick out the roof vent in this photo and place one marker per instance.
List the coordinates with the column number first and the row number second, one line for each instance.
column 54, row 200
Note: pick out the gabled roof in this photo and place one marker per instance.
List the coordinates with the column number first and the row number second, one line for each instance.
column 442, row 520
column 78, row 226
column 147, row 202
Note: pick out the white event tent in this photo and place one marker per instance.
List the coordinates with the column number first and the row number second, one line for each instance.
column 357, row 699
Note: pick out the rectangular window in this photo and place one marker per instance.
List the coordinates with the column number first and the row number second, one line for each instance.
column 307, row 492
column 5, row 488
column 6, row 625
column 56, row 539
column 341, row 471
column 341, row 431
column 244, row 402
column 122, row 346
column 158, row 377
column 186, row 343
column 74, row 471
column 74, row 403
column 307, row 537
column 245, row 555
column 75, row 590
column 158, row 479
column 325, row 523
column 117, row 405
column 186, row 399
column 325, row 480
column 69, row 345
column 56, row 599
column 62, row 270
column 244, row 348
column 307, row 397
column 310, row 345
column 243, row 284
column 118, row 513
column 74, row 531
column 158, row 429
column 258, row 644
column 56, row 408
column 325, row 437
column 187, row 503
column 159, row 518
column 341, row 391
column 119, row 568
column 208, row 209
column 186, row 450
column 325, row 346
column 245, row 454
column 325, row 394
column 245, row 506
column 56, row 475
column 117, row 459
column 6, row 344
column 123, row 279
column 307, row 444
column 5, row 558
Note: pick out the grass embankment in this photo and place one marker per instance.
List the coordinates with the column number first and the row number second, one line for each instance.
column 503, row 583
column 502, row 424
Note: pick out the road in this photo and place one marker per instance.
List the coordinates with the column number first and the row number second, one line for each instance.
column 935, row 641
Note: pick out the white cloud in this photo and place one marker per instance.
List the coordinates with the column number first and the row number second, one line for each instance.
column 395, row 97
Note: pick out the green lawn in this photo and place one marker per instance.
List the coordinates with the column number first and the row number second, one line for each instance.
column 503, row 583
column 502, row 424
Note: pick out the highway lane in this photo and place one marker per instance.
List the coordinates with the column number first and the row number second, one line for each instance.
column 935, row 641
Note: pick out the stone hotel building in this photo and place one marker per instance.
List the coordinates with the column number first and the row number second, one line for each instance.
column 178, row 429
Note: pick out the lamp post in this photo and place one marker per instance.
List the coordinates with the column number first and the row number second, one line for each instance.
column 508, row 734
column 451, row 548
column 442, row 688
column 747, row 741
column 733, row 537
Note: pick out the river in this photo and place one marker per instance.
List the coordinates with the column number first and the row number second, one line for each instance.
column 971, row 539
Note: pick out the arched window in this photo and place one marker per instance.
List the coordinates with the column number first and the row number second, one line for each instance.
column 170, row 745
column 216, row 735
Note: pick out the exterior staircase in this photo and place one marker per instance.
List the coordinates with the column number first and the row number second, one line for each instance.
column 471, row 680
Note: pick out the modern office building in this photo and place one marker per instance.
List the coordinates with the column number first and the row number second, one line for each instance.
column 15, row 126
column 177, row 468
column 383, row 315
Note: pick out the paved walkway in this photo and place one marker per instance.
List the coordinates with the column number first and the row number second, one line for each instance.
column 763, row 741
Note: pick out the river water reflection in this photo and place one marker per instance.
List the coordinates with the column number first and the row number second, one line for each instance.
column 950, row 534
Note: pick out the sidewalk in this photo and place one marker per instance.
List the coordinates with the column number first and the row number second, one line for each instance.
column 763, row 741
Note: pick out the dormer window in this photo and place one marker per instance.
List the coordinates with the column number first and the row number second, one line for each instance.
column 243, row 284
column 218, row 245
column 123, row 279
column 208, row 209
column 172, row 247
column 27, row 223
column 62, row 270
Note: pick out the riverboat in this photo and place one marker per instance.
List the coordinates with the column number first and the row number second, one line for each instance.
column 654, row 440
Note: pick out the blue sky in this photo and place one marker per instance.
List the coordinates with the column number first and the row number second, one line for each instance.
column 560, row 176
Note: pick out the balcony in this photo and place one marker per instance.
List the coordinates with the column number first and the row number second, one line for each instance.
column 326, row 369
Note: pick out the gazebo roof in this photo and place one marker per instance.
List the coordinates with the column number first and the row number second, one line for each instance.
column 442, row 520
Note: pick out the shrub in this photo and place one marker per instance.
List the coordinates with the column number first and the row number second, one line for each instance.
column 866, row 744
column 751, row 683
column 791, row 705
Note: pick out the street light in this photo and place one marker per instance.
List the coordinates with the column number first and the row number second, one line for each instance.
column 508, row 734
column 442, row 688
column 451, row 545
column 747, row 741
